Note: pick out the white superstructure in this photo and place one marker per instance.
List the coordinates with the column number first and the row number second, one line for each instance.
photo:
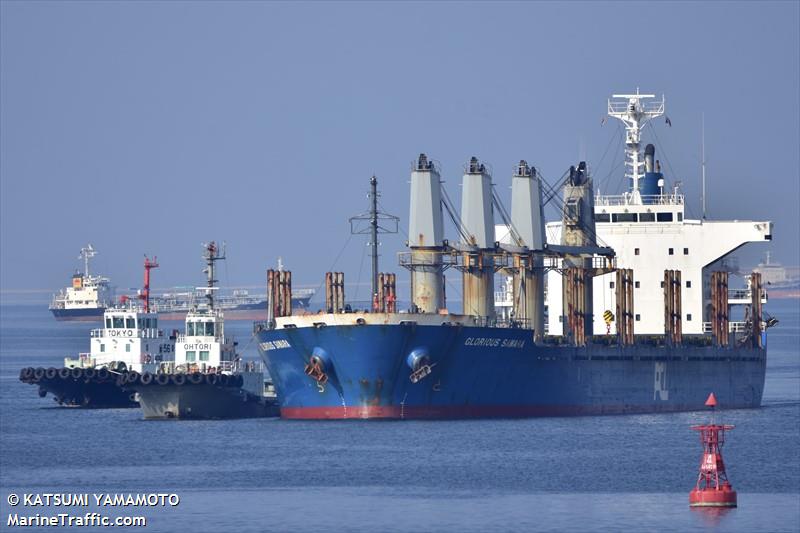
column 647, row 228
column 87, row 292
column 130, row 336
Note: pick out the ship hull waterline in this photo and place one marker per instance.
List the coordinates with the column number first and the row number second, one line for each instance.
column 200, row 402
column 496, row 373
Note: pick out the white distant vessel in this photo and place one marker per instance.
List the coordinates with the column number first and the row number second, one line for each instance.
column 88, row 296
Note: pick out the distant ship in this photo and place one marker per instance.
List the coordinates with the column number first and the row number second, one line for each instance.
column 88, row 296
column 639, row 312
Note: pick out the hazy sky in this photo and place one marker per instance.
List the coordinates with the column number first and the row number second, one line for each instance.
column 149, row 128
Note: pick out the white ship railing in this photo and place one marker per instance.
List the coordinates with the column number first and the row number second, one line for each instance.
column 733, row 327
column 204, row 368
column 627, row 199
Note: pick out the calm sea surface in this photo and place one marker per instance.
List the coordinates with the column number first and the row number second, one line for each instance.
column 616, row 473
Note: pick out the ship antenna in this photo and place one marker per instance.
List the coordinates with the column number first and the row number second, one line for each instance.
column 635, row 113
column 377, row 222
column 703, row 159
column 87, row 253
column 212, row 255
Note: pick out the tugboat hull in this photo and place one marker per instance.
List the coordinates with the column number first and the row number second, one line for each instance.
column 162, row 398
column 77, row 387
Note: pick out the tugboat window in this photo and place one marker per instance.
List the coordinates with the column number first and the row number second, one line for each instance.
column 190, row 356
column 204, row 355
column 108, row 323
column 102, row 347
column 130, row 323
column 664, row 217
column 210, row 329
column 647, row 217
column 118, row 322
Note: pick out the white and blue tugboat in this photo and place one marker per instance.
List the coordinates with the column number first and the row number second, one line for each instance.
column 207, row 379
column 87, row 297
column 129, row 341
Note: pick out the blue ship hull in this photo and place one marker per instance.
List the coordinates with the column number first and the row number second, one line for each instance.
column 84, row 314
column 496, row 372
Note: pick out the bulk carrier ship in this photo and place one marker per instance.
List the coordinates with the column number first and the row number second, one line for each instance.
column 646, row 329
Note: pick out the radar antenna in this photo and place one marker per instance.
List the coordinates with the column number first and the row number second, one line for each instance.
column 87, row 253
column 212, row 255
column 635, row 113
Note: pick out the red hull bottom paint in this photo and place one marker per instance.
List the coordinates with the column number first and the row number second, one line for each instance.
column 397, row 412
column 712, row 498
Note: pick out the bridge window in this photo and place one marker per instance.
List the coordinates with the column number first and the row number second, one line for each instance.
column 688, row 284
column 204, row 355
column 672, row 251
column 680, row 217
column 130, row 323
column 102, row 347
column 638, row 317
column 647, row 217
column 636, row 284
column 602, row 217
column 689, row 317
column 190, row 356
column 635, row 251
column 210, row 329
column 685, row 251
column 664, row 217
column 611, row 285
column 624, row 217
column 108, row 323
column 119, row 323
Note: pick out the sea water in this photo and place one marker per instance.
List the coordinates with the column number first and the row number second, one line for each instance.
column 609, row 473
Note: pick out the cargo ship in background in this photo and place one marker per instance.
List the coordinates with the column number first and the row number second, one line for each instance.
column 240, row 305
column 638, row 307
column 88, row 296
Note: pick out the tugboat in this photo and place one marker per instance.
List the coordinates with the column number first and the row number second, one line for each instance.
column 88, row 296
column 129, row 341
column 207, row 379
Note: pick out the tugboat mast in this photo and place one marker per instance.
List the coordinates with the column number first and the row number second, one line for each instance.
column 212, row 255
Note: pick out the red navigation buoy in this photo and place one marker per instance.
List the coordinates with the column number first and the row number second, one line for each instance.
column 713, row 488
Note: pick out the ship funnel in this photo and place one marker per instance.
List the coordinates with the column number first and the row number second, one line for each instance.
column 649, row 155
column 426, row 237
